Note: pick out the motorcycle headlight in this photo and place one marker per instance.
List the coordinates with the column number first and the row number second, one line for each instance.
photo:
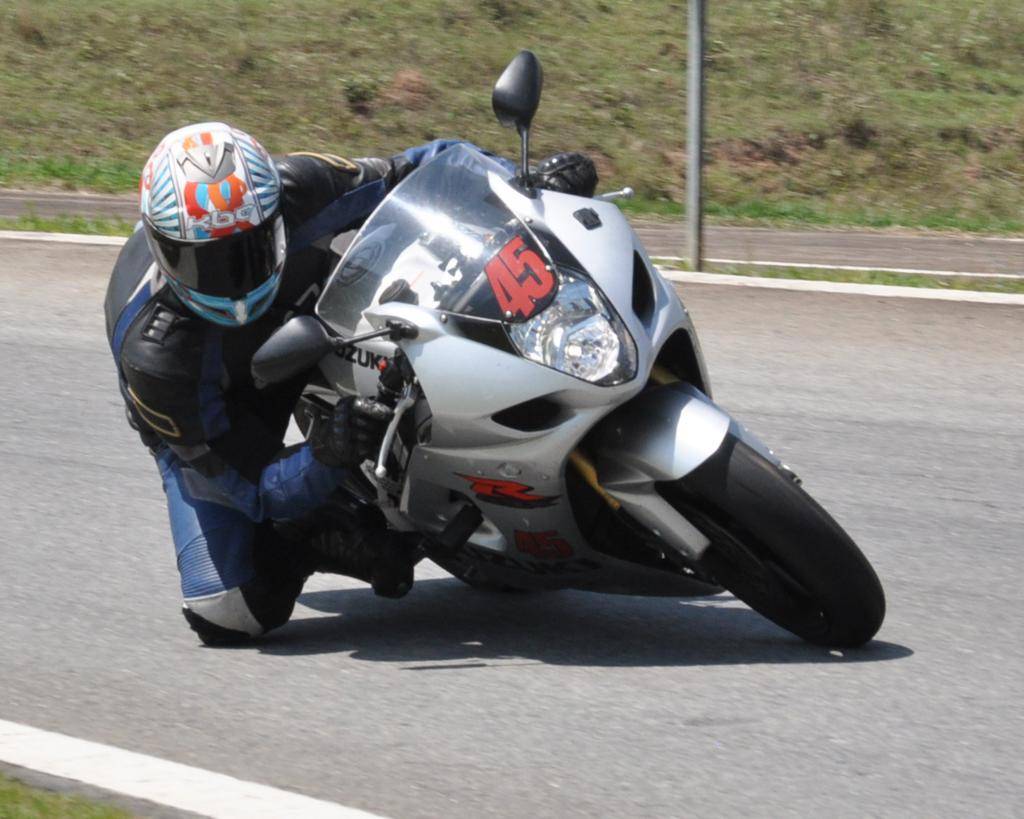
column 579, row 334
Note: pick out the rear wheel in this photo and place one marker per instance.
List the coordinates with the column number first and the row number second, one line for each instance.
column 776, row 549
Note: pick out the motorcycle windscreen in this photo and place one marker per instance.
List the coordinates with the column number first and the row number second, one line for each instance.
column 444, row 240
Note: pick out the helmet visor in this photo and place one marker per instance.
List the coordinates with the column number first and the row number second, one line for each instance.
column 229, row 267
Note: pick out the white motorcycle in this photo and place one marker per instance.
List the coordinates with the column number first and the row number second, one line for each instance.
column 552, row 424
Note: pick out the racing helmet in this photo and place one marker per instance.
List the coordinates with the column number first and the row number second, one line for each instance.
column 210, row 197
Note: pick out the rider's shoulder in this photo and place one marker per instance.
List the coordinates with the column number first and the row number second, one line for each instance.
column 304, row 168
column 134, row 257
column 311, row 181
column 310, row 159
column 165, row 341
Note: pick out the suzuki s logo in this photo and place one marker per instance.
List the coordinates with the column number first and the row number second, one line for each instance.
column 220, row 219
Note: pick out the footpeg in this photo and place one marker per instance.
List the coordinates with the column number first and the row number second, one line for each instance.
column 459, row 529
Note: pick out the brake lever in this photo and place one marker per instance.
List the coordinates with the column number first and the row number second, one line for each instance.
column 405, row 401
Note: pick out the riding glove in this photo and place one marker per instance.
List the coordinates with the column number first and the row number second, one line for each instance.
column 567, row 172
column 352, row 434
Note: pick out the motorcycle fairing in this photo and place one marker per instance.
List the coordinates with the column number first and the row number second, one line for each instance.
column 467, row 383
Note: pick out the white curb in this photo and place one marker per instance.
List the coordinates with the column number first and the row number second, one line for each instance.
column 158, row 780
column 61, row 238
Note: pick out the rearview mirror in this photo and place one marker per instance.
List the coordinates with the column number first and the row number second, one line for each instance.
column 294, row 348
column 516, row 98
column 517, row 92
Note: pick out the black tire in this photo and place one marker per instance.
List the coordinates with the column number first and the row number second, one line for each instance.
column 777, row 550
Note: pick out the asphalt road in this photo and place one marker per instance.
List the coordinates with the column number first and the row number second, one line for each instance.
column 904, row 418
column 885, row 249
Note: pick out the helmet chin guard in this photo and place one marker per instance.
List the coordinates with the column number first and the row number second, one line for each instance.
column 229, row 312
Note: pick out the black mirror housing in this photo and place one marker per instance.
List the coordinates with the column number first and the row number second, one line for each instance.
column 517, row 92
column 295, row 347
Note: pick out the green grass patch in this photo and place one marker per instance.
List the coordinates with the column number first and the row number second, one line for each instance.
column 849, row 112
column 865, row 277
column 68, row 224
column 18, row 801
column 94, row 174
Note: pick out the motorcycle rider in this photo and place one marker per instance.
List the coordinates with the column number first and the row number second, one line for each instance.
column 231, row 244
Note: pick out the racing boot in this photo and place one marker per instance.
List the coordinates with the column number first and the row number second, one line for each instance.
column 380, row 557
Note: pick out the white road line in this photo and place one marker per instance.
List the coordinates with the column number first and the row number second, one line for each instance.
column 845, row 288
column 158, row 780
column 62, row 238
column 913, row 271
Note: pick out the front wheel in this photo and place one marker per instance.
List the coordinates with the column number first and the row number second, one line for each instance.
column 777, row 550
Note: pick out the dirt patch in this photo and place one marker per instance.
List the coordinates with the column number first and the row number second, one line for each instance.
column 409, row 89
column 603, row 163
column 674, row 179
column 985, row 140
column 777, row 149
column 28, row 30
column 675, row 160
column 858, row 134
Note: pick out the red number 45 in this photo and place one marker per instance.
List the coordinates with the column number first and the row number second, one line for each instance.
column 519, row 278
column 545, row 545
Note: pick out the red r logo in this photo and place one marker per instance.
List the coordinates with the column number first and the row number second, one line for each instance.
column 507, row 493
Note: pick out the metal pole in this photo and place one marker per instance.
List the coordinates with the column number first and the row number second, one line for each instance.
column 695, row 134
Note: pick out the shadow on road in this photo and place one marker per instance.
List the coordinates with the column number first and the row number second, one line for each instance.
column 443, row 624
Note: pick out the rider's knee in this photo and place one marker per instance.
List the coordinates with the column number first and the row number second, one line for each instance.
column 236, row 616
column 224, row 618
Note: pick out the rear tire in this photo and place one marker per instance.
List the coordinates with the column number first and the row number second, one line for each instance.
column 777, row 550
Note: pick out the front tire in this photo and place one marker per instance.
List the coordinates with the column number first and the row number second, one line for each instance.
column 777, row 550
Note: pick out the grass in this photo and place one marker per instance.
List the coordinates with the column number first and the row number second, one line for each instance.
column 18, row 801
column 865, row 277
column 856, row 112
column 94, row 174
column 68, row 224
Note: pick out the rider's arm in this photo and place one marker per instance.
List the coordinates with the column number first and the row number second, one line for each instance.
column 174, row 386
